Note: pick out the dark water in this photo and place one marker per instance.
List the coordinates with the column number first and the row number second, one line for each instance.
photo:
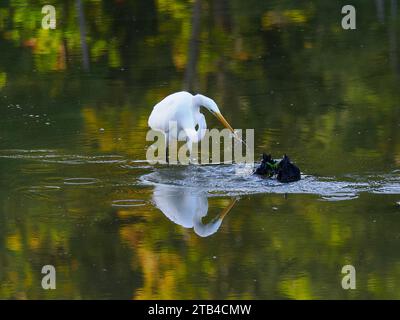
column 76, row 193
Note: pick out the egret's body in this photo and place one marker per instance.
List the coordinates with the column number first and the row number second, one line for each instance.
column 187, row 209
column 183, row 110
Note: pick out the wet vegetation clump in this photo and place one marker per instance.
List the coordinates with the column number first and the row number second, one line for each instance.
column 284, row 170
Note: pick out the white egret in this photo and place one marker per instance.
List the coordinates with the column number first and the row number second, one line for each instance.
column 187, row 209
column 183, row 109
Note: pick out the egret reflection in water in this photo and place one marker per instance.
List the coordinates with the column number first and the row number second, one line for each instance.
column 187, row 209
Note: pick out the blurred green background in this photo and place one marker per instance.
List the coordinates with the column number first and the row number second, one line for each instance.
column 74, row 103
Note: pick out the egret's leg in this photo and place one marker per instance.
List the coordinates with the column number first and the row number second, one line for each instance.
column 166, row 151
column 166, row 148
column 189, row 145
column 192, row 138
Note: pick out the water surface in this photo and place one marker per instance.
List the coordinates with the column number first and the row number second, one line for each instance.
column 76, row 192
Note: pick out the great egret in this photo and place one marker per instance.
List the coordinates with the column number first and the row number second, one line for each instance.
column 183, row 109
column 187, row 209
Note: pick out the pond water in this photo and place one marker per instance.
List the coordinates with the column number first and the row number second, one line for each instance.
column 76, row 192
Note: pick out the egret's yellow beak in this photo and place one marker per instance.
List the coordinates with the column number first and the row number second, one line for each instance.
column 224, row 122
column 228, row 126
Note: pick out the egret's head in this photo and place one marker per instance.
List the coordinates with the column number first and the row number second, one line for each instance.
column 213, row 108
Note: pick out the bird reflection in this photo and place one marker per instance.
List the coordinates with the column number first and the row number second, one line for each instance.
column 187, row 208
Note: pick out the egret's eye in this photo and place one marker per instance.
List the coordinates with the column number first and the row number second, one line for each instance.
column 196, row 127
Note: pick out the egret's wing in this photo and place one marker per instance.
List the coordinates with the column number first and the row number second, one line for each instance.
column 169, row 109
column 163, row 112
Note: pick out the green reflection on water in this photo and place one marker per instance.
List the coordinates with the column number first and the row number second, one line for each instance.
column 327, row 97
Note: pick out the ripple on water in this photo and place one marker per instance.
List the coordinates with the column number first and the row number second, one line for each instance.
column 52, row 156
column 128, row 203
column 39, row 192
column 340, row 197
column 80, row 181
column 43, row 188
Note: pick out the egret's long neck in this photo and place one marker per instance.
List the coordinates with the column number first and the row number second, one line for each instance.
column 200, row 100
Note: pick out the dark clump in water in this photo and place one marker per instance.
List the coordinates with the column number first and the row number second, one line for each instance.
column 284, row 170
column 267, row 166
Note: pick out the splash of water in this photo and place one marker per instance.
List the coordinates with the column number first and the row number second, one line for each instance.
column 236, row 180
